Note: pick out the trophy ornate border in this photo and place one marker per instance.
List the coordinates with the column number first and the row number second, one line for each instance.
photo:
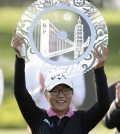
column 94, row 18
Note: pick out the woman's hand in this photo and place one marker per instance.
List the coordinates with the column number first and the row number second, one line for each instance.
column 101, row 56
column 17, row 44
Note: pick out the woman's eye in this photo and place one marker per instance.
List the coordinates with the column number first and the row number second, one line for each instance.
column 66, row 89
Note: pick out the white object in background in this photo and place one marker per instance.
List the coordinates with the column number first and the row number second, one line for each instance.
column 79, row 91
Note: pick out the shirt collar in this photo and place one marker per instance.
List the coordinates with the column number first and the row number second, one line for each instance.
column 51, row 113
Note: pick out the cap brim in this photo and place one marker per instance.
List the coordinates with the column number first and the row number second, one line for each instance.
column 68, row 83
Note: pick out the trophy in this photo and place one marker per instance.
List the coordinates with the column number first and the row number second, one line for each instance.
column 60, row 34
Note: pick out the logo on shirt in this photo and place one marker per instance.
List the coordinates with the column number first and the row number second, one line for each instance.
column 50, row 124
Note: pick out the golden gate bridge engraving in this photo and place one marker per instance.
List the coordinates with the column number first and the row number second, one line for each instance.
column 51, row 42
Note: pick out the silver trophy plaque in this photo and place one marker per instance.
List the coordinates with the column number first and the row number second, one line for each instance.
column 60, row 34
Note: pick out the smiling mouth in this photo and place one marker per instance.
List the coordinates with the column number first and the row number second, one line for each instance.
column 60, row 101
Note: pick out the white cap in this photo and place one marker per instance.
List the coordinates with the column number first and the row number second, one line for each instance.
column 56, row 79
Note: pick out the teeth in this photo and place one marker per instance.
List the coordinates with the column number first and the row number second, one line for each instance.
column 60, row 101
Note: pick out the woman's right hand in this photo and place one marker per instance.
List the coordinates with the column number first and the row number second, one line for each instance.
column 17, row 44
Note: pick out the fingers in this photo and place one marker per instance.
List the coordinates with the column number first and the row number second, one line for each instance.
column 17, row 43
column 14, row 32
column 102, row 52
column 13, row 36
column 101, row 55
column 17, row 39
column 96, row 53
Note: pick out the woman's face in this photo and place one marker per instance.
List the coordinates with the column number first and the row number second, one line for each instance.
column 60, row 103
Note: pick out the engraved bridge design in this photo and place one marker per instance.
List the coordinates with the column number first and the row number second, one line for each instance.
column 51, row 42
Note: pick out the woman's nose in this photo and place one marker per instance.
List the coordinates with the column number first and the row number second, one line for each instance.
column 61, row 93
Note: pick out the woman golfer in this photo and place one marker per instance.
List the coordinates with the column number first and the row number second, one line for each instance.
column 59, row 118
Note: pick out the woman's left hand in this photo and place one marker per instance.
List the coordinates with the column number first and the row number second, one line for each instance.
column 101, row 56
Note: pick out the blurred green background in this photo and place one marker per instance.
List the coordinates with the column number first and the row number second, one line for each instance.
column 10, row 116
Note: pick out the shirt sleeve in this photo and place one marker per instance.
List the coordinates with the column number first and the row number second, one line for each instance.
column 111, row 119
column 94, row 115
column 26, row 104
